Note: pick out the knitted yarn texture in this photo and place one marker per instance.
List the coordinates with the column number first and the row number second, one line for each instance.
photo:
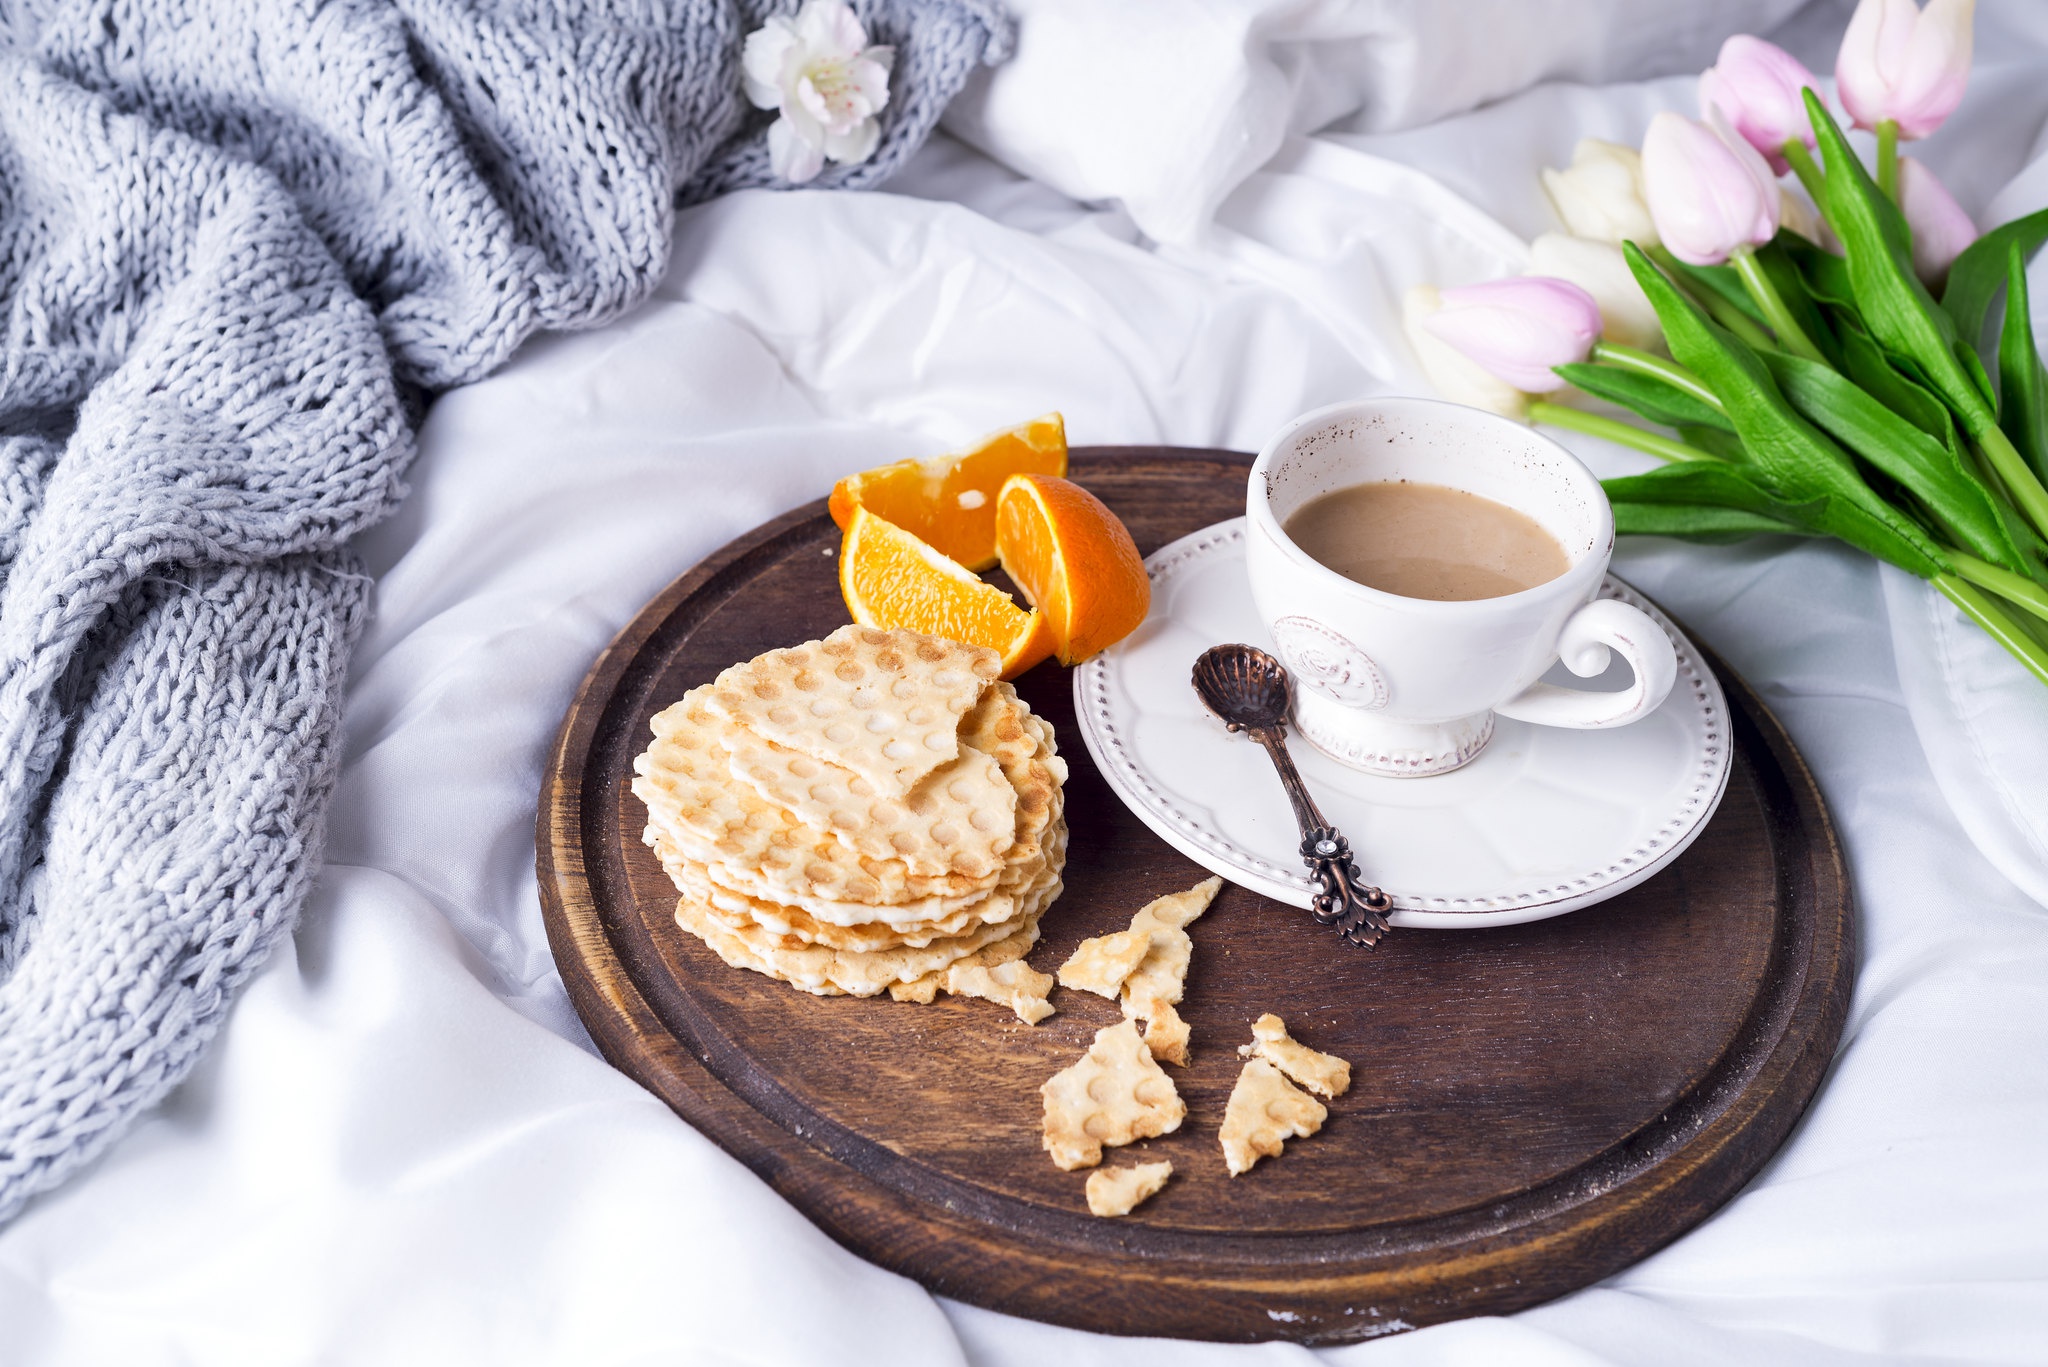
column 240, row 240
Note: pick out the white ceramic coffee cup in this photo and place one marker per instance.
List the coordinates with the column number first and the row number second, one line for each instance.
column 1409, row 686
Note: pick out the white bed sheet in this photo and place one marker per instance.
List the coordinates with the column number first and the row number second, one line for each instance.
column 402, row 1148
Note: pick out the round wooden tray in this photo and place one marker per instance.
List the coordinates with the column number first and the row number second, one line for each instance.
column 1533, row 1107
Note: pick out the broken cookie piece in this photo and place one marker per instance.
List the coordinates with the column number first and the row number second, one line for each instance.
column 1100, row 965
column 1114, row 1094
column 1016, row 985
column 1158, row 982
column 1166, row 1034
column 1118, row 1191
column 1324, row 1074
column 1265, row 1110
column 1177, row 910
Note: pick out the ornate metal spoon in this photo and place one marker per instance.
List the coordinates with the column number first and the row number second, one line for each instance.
column 1248, row 689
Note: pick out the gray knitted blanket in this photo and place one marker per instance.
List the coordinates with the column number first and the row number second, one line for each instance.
column 240, row 242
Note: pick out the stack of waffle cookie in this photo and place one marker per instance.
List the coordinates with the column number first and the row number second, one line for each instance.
column 871, row 812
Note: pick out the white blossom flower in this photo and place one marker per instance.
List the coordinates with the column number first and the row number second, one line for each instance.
column 828, row 84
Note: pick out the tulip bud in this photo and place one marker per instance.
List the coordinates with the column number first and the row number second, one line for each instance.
column 1601, row 196
column 1602, row 271
column 1755, row 85
column 1797, row 214
column 1708, row 189
column 1519, row 328
column 1905, row 64
column 1455, row 376
column 1940, row 227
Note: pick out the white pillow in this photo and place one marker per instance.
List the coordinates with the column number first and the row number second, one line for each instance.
column 1166, row 105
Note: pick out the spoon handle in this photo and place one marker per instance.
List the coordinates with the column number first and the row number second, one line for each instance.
column 1343, row 898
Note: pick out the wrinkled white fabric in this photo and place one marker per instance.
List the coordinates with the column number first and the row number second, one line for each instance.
column 1166, row 106
column 403, row 1148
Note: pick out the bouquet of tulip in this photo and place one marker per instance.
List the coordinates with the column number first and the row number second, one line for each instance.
column 1803, row 373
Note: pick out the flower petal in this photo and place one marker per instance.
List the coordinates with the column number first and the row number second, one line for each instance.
column 830, row 29
column 812, row 100
column 1710, row 192
column 761, row 62
column 1930, row 81
column 870, row 79
column 1755, row 85
column 1600, row 269
column 855, row 145
column 1519, row 328
column 791, row 156
column 1455, row 375
column 802, row 125
column 1940, row 227
column 1601, row 195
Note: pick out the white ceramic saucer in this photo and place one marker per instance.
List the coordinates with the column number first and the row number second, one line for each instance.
column 1545, row 821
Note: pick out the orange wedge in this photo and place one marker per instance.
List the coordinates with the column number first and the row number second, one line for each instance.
column 892, row 579
column 1075, row 560
column 949, row 502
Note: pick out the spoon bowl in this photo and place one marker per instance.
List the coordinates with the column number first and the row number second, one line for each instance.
column 1244, row 686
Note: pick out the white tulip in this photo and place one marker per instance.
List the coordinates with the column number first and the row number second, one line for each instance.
column 1600, row 195
column 1602, row 271
column 1455, row 376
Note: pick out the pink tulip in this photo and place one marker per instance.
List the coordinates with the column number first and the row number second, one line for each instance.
column 1940, row 227
column 1756, row 87
column 1518, row 329
column 1905, row 64
column 1709, row 190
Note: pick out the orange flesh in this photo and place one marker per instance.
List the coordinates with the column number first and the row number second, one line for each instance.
column 949, row 502
column 891, row 578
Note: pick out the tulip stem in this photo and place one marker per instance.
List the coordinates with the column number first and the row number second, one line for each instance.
column 1808, row 171
column 1791, row 337
column 1888, row 158
column 1718, row 308
column 2015, row 588
column 1670, row 372
column 1997, row 625
column 1614, row 430
column 2021, row 486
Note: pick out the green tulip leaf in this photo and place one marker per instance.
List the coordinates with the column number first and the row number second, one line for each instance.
column 1778, row 266
column 1894, row 305
column 1644, row 395
column 1920, row 463
column 1865, row 362
column 1826, row 275
column 1787, row 457
column 1973, row 366
column 2023, row 409
column 1700, row 502
column 1691, row 522
column 1717, row 441
column 1976, row 276
column 1724, row 282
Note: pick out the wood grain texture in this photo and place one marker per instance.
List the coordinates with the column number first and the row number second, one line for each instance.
column 1533, row 1107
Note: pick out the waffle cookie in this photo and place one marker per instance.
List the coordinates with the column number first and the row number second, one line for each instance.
column 864, row 814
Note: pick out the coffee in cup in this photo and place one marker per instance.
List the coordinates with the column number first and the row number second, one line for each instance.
column 1426, row 541
column 1409, row 612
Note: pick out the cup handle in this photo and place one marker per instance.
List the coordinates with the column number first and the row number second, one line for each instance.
column 1599, row 627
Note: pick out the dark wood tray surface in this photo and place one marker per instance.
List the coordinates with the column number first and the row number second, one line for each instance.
column 1534, row 1107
